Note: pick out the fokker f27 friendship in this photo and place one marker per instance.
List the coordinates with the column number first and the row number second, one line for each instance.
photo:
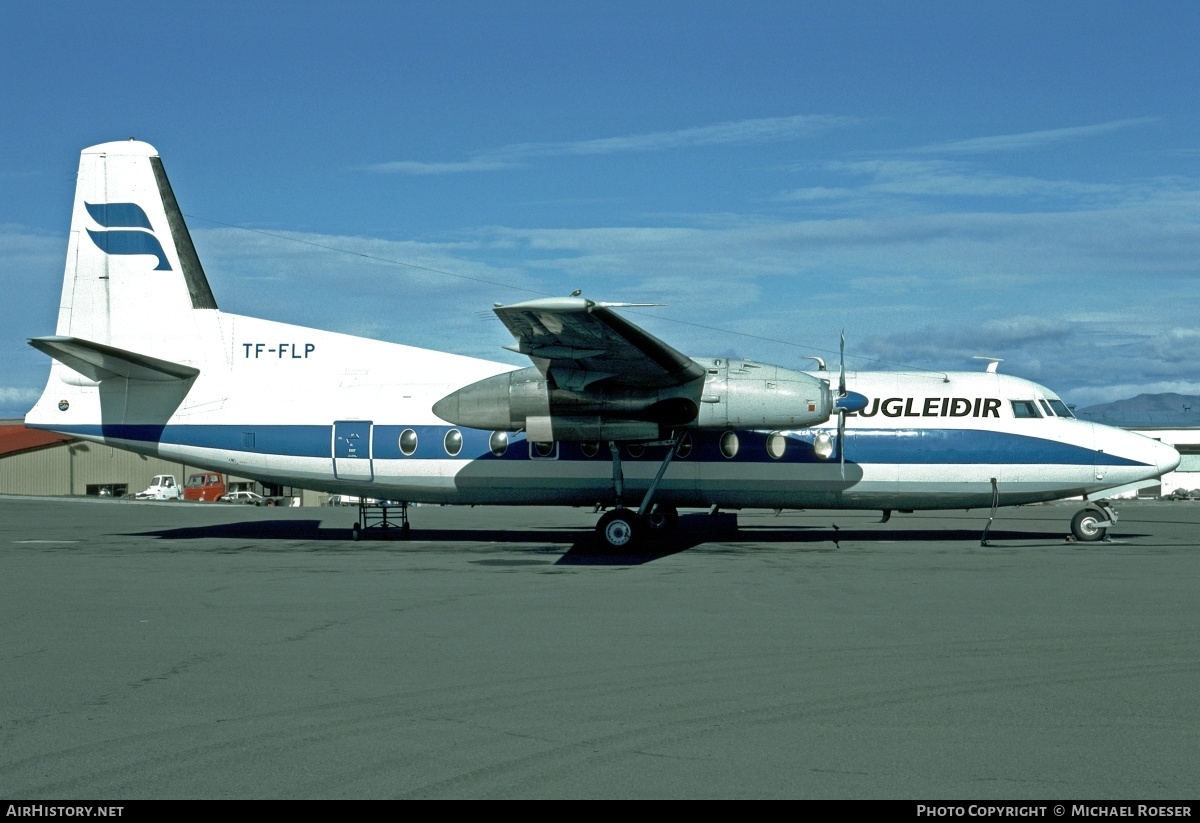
column 607, row 415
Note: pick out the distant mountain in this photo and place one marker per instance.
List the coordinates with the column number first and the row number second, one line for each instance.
column 1149, row 410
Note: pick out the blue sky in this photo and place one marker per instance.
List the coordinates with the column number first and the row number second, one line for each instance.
column 942, row 180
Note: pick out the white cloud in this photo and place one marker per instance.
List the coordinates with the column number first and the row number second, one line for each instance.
column 945, row 178
column 10, row 394
column 417, row 167
column 15, row 402
column 1030, row 139
column 757, row 130
column 761, row 130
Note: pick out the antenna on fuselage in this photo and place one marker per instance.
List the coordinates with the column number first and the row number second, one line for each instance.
column 993, row 362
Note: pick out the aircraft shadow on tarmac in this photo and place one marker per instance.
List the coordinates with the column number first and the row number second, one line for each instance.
column 585, row 549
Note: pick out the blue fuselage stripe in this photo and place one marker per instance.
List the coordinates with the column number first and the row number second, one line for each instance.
column 894, row 446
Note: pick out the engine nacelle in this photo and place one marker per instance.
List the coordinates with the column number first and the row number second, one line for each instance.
column 524, row 399
column 732, row 395
column 743, row 395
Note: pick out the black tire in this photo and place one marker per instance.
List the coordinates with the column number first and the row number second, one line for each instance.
column 662, row 520
column 1085, row 525
column 620, row 529
column 355, row 531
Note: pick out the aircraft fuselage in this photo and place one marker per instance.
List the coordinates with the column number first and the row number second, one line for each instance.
column 326, row 411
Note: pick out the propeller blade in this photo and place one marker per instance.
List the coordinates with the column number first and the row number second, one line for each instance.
column 842, row 359
column 842, row 440
column 847, row 401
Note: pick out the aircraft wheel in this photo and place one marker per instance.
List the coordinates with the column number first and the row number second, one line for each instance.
column 662, row 520
column 354, row 531
column 1085, row 526
column 619, row 529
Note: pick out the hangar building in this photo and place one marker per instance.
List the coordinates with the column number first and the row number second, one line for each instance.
column 43, row 463
column 1180, row 429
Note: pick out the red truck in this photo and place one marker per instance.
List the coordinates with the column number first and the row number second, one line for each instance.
column 205, row 487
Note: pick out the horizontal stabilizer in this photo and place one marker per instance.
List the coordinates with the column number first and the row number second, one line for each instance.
column 98, row 362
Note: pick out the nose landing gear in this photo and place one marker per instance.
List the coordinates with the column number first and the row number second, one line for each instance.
column 1091, row 524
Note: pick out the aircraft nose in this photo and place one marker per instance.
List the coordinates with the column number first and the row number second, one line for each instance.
column 1158, row 457
column 1165, row 457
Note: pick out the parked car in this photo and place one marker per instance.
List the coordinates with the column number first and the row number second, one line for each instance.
column 162, row 487
column 250, row 498
column 342, row 500
column 1184, row 494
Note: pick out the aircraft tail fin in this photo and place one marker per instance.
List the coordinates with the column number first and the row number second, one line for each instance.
column 137, row 323
column 132, row 278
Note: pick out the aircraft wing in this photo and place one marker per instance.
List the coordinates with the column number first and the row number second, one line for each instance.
column 576, row 342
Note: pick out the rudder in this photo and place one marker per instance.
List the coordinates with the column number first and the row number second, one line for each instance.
column 132, row 274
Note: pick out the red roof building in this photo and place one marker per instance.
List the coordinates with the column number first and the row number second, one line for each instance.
column 15, row 438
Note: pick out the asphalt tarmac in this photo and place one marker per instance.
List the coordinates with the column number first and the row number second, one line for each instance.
column 166, row 650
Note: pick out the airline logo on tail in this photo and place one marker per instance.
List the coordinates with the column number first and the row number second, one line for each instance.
column 125, row 221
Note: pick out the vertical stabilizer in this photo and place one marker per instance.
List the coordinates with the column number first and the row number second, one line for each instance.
column 132, row 277
column 138, row 328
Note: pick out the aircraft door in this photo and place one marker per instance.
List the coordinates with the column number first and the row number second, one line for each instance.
column 352, row 450
column 1098, row 446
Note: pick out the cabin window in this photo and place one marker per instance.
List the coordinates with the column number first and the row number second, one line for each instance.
column 543, row 451
column 498, row 443
column 636, row 449
column 1045, row 408
column 1061, row 409
column 408, row 442
column 590, row 449
column 823, row 446
column 1025, row 408
column 729, row 444
column 776, row 445
column 453, row 442
column 684, row 447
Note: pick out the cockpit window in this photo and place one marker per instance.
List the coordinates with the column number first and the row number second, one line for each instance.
column 1025, row 408
column 1060, row 408
column 1045, row 408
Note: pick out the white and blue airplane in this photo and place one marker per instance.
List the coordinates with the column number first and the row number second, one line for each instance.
column 607, row 415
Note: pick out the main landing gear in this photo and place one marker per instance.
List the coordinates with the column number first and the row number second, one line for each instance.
column 625, row 529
